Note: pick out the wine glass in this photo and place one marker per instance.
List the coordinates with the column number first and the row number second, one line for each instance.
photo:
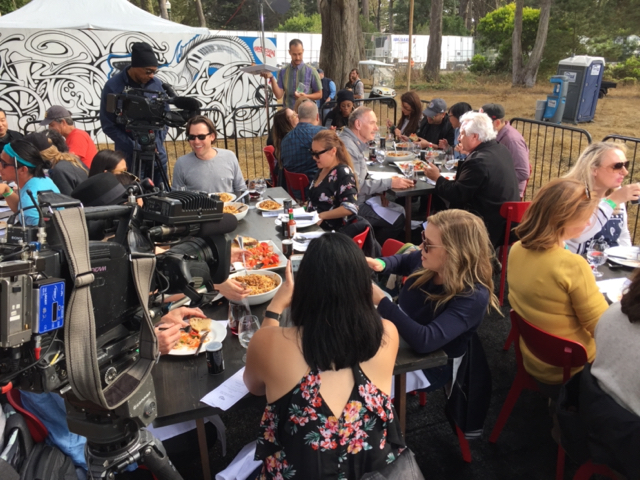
column 260, row 184
column 236, row 312
column 380, row 156
column 596, row 256
column 449, row 162
column 409, row 168
column 247, row 326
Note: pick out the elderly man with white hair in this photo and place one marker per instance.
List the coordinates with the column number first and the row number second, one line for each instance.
column 485, row 180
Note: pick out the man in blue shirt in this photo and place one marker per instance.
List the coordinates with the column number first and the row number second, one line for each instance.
column 294, row 149
column 140, row 74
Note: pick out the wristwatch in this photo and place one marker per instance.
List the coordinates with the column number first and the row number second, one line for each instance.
column 274, row 315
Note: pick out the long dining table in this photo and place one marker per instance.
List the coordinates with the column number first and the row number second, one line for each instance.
column 181, row 381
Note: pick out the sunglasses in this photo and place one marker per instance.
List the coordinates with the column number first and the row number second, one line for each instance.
column 150, row 71
column 199, row 137
column 317, row 154
column 425, row 246
column 619, row 165
column 5, row 164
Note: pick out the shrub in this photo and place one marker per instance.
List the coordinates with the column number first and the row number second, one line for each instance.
column 480, row 64
column 630, row 68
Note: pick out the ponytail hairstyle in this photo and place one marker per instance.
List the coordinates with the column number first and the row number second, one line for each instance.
column 26, row 155
column 52, row 153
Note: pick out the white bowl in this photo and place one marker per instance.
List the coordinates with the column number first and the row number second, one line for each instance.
column 262, row 297
column 232, row 195
column 244, row 209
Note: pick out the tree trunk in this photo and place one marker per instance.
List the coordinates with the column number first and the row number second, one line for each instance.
column 516, row 45
column 340, row 52
column 163, row 9
column 434, row 52
column 365, row 10
column 390, row 29
column 378, row 15
column 465, row 9
column 201, row 19
column 530, row 70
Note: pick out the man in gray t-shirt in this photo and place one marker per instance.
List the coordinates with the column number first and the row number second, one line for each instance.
column 207, row 169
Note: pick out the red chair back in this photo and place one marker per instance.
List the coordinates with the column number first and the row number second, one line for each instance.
column 37, row 429
column 359, row 239
column 296, row 181
column 551, row 349
column 391, row 247
column 513, row 212
column 273, row 164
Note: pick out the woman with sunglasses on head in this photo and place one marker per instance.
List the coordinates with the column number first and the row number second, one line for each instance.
column 448, row 290
column 21, row 162
column 334, row 191
column 207, row 168
column 549, row 286
column 602, row 167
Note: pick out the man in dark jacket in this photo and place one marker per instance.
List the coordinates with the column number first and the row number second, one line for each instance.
column 6, row 136
column 485, row 180
column 435, row 125
column 140, row 74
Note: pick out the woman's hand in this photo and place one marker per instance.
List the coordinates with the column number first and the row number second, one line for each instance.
column 232, row 290
column 236, row 254
column 626, row 193
column 282, row 299
column 374, row 264
column 377, row 294
column 179, row 315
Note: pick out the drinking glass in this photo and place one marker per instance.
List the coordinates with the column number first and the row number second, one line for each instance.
column 376, row 139
column 260, row 186
column 449, row 162
column 409, row 168
column 236, row 312
column 380, row 156
column 596, row 256
column 247, row 326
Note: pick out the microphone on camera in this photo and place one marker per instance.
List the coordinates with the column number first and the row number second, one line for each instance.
column 169, row 89
column 227, row 224
column 185, row 103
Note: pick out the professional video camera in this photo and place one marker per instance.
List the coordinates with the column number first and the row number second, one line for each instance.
column 144, row 112
column 75, row 315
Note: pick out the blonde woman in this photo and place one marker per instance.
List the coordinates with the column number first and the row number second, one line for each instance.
column 549, row 286
column 334, row 191
column 448, row 291
column 602, row 167
column 67, row 171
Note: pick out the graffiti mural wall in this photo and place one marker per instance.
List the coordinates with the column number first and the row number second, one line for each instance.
column 40, row 68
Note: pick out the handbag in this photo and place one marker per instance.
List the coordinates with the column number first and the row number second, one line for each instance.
column 405, row 467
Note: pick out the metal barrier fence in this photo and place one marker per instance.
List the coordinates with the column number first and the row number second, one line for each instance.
column 552, row 149
column 385, row 109
column 633, row 211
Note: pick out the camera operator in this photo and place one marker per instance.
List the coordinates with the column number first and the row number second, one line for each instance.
column 140, row 74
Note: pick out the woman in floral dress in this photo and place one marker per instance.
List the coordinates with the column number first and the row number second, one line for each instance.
column 334, row 191
column 327, row 379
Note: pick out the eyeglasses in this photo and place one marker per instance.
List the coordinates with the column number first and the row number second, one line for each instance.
column 619, row 165
column 425, row 246
column 5, row 164
column 317, row 154
column 199, row 137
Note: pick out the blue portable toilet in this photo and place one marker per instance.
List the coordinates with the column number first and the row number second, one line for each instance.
column 556, row 102
column 585, row 76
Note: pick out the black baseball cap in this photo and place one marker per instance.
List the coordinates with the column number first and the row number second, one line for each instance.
column 494, row 110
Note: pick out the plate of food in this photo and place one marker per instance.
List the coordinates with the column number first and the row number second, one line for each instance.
column 268, row 206
column 225, row 197
column 263, row 284
column 190, row 341
column 399, row 155
column 300, row 223
column 627, row 256
column 417, row 164
column 264, row 254
column 240, row 210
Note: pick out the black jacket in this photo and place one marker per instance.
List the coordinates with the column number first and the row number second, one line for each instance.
column 484, row 181
column 10, row 137
column 434, row 133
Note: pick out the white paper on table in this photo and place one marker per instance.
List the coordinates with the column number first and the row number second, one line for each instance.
column 227, row 394
column 416, row 224
column 447, row 175
column 613, row 287
column 389, row 213
column 382, row 175
column 242, row 465
column 415, row 381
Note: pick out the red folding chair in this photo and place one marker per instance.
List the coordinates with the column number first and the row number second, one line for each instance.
column 37, row 429
column 513, row 212
column 296, row 181
column 588, row 469
column 359, row 239
column 391, row 247
column 273, row 164
column 556, row 351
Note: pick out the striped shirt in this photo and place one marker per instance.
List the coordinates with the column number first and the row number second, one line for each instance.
column 289, row 78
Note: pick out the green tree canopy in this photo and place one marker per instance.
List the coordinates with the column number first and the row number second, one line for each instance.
column 302, row 23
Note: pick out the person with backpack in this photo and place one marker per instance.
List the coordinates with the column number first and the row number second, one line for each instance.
column 355, row 84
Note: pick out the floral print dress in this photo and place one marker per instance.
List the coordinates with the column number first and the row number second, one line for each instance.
column 337, row 189
column 301, row 438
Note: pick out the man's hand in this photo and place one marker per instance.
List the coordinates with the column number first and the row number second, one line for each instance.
column 425, row 144
column 443, row 144
column 401, row 182
column 232, row 290
column 431, row 172
column 267, row 75
column 178, row 315
column 168, row 330
column 299, row 95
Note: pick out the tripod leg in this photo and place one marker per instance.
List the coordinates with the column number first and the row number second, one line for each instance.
column 155, row 458
column 163, row 173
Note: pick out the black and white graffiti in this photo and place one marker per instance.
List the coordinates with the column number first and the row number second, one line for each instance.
column 40, row 68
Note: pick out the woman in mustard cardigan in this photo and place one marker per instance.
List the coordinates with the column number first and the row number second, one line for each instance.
column 549, row 286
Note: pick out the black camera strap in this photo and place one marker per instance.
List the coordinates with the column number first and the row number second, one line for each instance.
column 80, row 331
